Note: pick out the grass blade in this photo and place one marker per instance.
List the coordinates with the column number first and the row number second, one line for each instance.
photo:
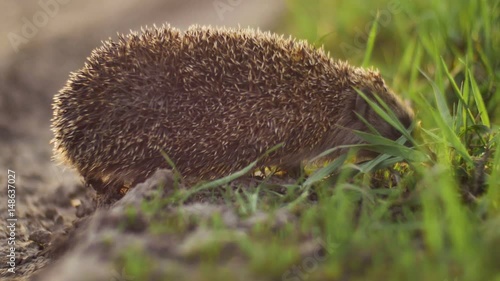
column 371, row 41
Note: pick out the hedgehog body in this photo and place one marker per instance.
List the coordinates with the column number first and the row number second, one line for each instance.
column 213, row 99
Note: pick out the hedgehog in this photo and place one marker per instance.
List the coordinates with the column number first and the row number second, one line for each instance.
column 214, row 100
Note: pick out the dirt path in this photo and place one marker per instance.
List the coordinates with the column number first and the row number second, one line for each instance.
column 40, row 46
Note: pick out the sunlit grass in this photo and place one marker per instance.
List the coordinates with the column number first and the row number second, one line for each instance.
column 431, row 212
column 446, row 61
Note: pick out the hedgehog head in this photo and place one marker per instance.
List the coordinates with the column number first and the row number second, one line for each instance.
column 374, row 88
column 356, row 108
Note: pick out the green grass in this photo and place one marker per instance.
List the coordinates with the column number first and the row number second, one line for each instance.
column 430, row 213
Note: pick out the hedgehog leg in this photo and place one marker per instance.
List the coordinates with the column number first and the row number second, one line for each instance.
column 106, row 193
column 293, row 170
column 97, row 184
column 110, row 197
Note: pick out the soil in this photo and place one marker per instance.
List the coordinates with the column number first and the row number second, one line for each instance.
column 41, row 46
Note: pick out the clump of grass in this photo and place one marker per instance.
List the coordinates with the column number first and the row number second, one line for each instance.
column 135, row 264
column 431, row 223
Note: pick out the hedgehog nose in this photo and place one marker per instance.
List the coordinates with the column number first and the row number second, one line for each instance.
column 415, row 131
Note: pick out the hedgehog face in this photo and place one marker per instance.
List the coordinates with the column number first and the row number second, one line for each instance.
column 395, row 104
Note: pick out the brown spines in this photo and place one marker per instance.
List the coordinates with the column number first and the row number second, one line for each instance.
column 213, row 99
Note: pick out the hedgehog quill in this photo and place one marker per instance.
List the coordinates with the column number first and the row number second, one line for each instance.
column 214, row 100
